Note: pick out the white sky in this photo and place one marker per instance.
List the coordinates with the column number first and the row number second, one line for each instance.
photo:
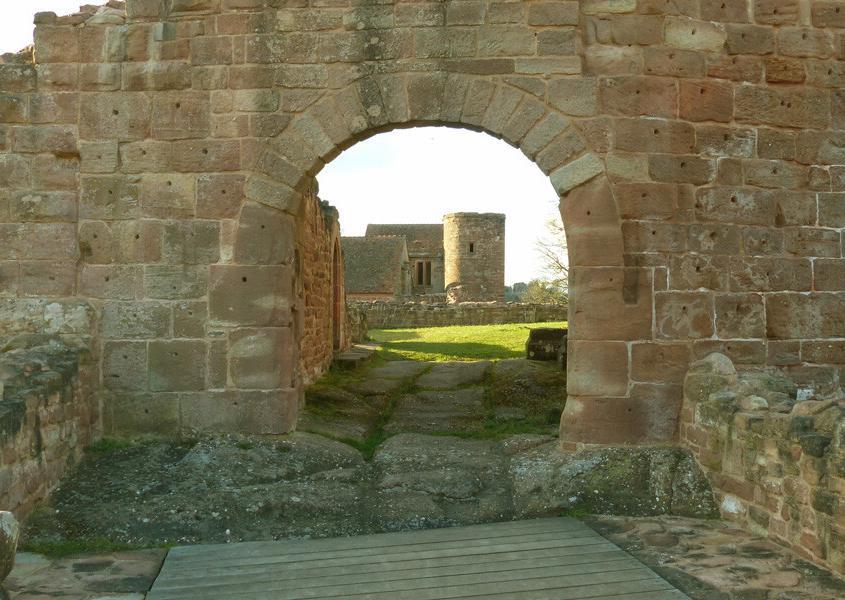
column 418, row 175
column 405, row 176
column 16, row 19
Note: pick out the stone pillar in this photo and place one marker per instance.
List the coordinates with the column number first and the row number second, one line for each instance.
column 474, row 256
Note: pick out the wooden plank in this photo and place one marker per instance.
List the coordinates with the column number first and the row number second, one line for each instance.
column 370, row 554
column 542, row 559
column 411, row 578
column 487, row 530
column 317, row 574
column 469, row 588
column 645, row 588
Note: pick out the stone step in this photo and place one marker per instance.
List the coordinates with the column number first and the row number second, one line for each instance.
column 357, row 355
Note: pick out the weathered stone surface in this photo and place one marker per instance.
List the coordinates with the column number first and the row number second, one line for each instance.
column 9, row 533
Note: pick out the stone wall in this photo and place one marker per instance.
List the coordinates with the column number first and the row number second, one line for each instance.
column 774, row 453
column 155, row 157
column 412, row 314
column 318, row 247
column 48, row 414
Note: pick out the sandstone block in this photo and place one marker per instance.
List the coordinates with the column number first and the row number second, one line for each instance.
column 58, row 139
column 829, row 274
column 654, row 135
column 177, row 365
column 809, row 108
column 43, row 207
column 672, row 62
column 168, row 196
column 171, row 282
column 740, row 316
column 109, row 197
column 706, row 101
column 111, row 282
column 265, row 236
column 597, row 368
column 208, row 50
column 206, row 155
column 636, row 96
column 690, row 34
column 805, row 316
column 610, row 303
column 251, row 295
column 168, row 75
column 652, row 416
column 134, row 413
column 189, row 319
column 770, row 274
column 657, row 362
column 219, row 196
column 680, row 169
column 180, row 115
column 799, row 41
column 684, row 315
column 56, row 44
column 191, row 242
column 256, row 412
column 123, row 116
column 812, row 241
column 98, row 157
column 697, row 271
column 577, row 172
column 46, row 278
column 593, row 7
column 261, row 358
column 125, row 365
column 51, row 172
column 135, row 320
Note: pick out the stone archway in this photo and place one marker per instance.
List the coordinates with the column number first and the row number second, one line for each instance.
column 611, row 304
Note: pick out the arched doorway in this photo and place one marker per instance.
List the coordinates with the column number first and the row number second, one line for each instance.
column 611, row 304
column 337, row 297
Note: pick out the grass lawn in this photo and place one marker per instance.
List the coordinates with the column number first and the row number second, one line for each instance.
column 466, row 342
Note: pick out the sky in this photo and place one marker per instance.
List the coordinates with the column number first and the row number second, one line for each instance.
column 16, row 25
column 403, row 176
column 418, row 175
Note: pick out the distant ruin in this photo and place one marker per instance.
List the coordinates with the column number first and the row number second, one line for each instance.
column 462, row 260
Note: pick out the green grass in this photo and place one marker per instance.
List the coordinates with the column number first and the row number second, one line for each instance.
column 465, row 342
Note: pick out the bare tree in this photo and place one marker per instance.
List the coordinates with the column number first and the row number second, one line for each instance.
column 553, row 252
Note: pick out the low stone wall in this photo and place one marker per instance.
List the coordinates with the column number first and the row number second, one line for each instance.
column 48, row 414
column 381, row 315
column 775, row 455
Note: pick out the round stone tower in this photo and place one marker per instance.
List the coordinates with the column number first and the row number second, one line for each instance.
column 474, row 256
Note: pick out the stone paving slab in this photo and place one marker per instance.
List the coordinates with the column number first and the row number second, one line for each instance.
column 400, row 369
column 445, row 376
column 111, row 576
column 438, row 411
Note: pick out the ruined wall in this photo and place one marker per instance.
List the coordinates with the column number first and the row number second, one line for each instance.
column 319, row 239
column 155, row 157
column 474, row 257
column 412, row 314
column 774, row 453
column 48, row 414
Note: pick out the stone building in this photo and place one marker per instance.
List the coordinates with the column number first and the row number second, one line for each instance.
column 157, row 165
column 425, row 254
column 376, row 267
column 474, row 247
column 695, row 147
column 463, row 258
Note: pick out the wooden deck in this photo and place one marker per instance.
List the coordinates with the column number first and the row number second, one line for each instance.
column 557, row 558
